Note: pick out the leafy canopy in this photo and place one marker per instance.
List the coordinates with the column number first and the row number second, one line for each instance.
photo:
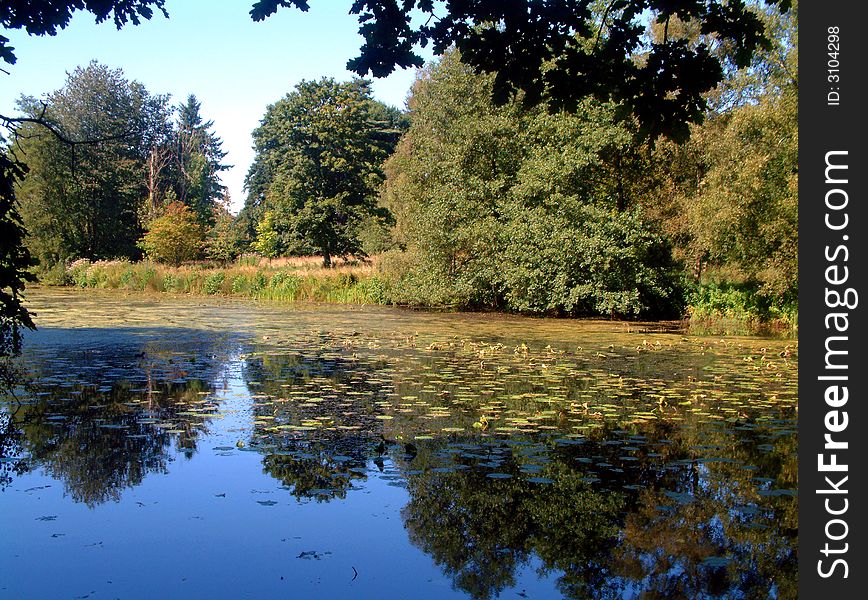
column 562, row 51
column 83, row 202
column 175, row 237
column 317, row 166
column 515, row 208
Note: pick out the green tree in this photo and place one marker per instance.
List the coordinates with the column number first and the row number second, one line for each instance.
column 175, row 237
column 728, row 199
column 516, row 208
column 223, row 240
column 267, row 242
column 84, row 201
column 198, row 161
column 317, row 166
column 43, row 18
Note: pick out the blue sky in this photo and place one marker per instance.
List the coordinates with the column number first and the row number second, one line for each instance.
column 209, row 48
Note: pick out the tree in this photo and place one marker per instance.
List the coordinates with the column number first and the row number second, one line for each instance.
column 562, row 51
column 317, row 166
column 728, row 198
column 267, row 242
column 198, row 156
column 14, row 259
column 175, row 237
column 513, row 207
column 85, row 202
column 42, row 18
column 223, row 241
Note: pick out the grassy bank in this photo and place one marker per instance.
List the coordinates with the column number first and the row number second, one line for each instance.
column 291, row 280
column 714, row 307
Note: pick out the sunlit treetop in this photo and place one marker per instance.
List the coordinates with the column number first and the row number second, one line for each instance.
column 560, row 51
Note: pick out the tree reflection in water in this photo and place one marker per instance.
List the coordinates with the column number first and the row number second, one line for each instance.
column 667, row 530
column 100, row 419
column 655, row 509
column 644, row 508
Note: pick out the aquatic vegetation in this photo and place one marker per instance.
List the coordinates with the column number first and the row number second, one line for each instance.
column 615, row 459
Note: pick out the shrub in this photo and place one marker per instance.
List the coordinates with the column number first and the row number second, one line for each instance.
column 77, row 272
column 56, row 274
column 267, row 241
column 174, row 237
column 239, row 284
column 214, row 282
column 172, row 283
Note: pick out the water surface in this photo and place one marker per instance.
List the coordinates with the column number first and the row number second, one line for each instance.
column 168, row 447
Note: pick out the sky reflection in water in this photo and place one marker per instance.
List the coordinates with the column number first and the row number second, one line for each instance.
column 331, row 452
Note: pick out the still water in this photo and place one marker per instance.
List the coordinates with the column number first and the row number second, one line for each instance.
column 177, row 447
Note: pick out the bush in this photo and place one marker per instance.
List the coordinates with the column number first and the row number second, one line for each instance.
column 240, row 284
column 174, row 237
column 214, row 283
column 56, row 274
column 77, row 272
column 745, row 302
column 172, row 283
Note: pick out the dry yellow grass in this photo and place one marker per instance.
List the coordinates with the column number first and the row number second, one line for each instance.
column 310, row 264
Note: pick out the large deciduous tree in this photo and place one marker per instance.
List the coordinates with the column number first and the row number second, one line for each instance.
column 84, row 201
column 728, row 198
column 516, row 208
column 37, row 18
column 317, row 166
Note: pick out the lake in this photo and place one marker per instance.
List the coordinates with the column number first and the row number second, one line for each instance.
column 166, row 447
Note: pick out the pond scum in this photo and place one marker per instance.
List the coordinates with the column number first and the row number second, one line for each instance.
column 627, row 462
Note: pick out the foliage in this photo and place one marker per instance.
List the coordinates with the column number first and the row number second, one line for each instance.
column 713, row 301
column 43, row 18
column 83, row 201
column 728, row 199
column 375, row 236
column 47, row 16
column 214, row 282
column 198, row 156
column 95, row 197
column 267, row 241
column 15, row 259
column 507, row 207
column 563, row 51
column 317, row 166
column 175, row 237
column 223, row 241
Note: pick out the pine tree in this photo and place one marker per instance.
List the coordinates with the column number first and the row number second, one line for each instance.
column 198, row 158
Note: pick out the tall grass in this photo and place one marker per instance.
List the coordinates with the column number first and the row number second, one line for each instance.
column 289, row 282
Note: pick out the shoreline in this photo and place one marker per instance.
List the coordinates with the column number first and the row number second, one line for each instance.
column 352, row 285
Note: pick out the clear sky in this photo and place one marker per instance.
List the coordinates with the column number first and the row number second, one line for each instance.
column 210, row 48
